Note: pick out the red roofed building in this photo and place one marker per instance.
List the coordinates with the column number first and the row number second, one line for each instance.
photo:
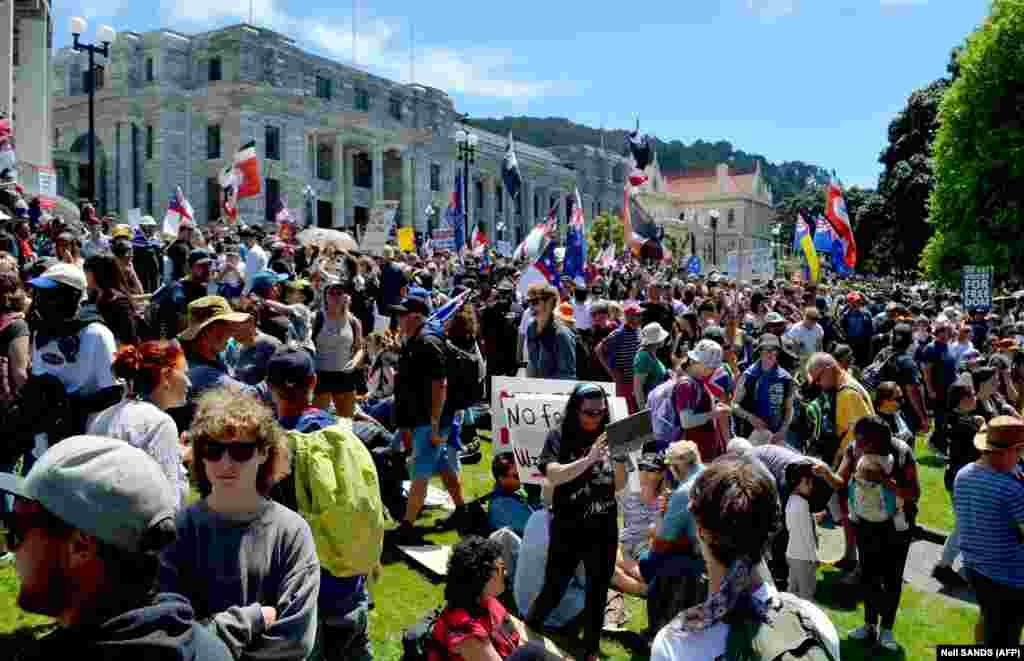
column 684, row 203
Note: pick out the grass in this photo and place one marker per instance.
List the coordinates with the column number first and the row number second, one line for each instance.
column 405, row 594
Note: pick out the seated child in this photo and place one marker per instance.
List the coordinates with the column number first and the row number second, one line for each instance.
column 872, row 496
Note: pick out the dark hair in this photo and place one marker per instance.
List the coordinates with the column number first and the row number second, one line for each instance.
column 470, row 567
column 143, row 365
column 737, row 502
column 109, row 276
column 875, row 431
column 572, row 433
column 886, row 390
column 12, row 295
column 501, row 464
column 957, row 392
column 982, row 375
column 902, row 337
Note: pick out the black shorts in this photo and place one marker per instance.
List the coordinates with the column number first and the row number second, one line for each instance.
column 336, row 382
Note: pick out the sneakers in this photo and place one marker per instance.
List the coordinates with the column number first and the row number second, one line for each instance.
column 866, row 632
column 944, row 574
column 887, row 641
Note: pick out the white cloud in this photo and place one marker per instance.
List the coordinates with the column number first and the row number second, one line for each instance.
column 378, row 48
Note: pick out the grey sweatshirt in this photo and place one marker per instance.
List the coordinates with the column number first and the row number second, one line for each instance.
column 228, row 568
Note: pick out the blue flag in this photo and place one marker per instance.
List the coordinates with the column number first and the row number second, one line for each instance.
column 548, row 265
column 694, row 266
column 454, row 215
column 839, row 256
column 822, row 236
column 576, row 245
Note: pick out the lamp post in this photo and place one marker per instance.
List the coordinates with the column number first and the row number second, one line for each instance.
column 105, row 35
column 310, row 194
column 466, row 142
column 714, row 236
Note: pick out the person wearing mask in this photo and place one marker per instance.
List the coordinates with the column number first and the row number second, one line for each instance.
column 648, row 371
column 882, row 545
column 617, row 354
column 424, row 424
column 263, row 603
column 736, row 509
column 888, row 401
column 584, row 525
column 765, row 396
column 157, row 378
column 964, row 425
column 338, row 336
column 988, row 495
column 108, row 506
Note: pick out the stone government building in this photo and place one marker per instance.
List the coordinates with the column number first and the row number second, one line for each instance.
column 172, row 109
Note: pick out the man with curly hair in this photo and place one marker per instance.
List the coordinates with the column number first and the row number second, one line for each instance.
column 248, row 564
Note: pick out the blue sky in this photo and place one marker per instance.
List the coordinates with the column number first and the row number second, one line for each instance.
column 811, row 80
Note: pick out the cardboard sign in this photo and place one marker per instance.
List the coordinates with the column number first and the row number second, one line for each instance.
column 379, row 226
column 407, row 239
column 527, row 409
column 976, row 287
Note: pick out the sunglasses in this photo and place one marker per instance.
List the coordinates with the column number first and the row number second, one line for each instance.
column 593, row 413
column 240, row 452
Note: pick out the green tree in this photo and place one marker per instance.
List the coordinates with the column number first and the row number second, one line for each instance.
column 976, row 204
column 604, row 229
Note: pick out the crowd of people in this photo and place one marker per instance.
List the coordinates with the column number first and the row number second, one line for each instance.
column 209, row 433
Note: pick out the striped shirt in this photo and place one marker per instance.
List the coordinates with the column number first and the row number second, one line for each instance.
column 625, row 346
column 989, row 512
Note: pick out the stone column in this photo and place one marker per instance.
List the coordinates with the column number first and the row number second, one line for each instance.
column 377, row 155
column 7, row 56
column 32, row 90
column 409, row 211
column 341, row 176
column 349, row 219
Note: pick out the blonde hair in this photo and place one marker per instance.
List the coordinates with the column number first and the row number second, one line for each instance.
column 226, row 412
column 683, row 455
column 615, row 311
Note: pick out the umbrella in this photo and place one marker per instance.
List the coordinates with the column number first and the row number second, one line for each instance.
column 322, row 236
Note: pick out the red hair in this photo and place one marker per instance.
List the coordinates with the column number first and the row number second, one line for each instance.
column 142, row 365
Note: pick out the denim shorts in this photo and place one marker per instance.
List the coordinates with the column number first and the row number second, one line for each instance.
column 429, row 460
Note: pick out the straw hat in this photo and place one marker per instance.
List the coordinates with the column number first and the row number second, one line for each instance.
column 1001, row 433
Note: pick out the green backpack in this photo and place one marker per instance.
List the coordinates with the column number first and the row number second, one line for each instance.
column 790, row 635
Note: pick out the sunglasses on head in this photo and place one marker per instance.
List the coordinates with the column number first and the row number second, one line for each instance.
column 240, row 451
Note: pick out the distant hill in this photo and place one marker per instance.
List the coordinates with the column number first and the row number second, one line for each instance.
column 673, row 157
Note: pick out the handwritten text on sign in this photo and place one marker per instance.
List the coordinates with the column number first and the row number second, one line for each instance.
column 530, row 418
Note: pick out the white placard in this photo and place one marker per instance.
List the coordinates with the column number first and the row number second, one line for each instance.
column 378, row 228
column 47, row 182
column 134, row 217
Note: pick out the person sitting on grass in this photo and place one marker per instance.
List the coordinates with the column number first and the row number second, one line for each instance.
column 474, row 626
column 248, row 564
column 508, row 507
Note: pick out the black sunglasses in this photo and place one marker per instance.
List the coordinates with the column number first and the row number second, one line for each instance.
column 593, row 413
column 240, row 452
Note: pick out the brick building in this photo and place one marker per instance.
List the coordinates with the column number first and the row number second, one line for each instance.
column 172, row 109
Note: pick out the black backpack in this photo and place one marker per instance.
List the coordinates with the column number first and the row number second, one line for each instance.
column 463, row 374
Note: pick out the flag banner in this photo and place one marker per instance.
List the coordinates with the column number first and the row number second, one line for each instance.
column 835, row 211
column 450, row 309
column 802, row 241
column 640, row 147
column 510, row 170
column 548, row 264
column 480, row 242
column 407, row 239
column 642, row 234
column 453, row 215
column 694, row 267
column 576, row 244
column 178, row 210
column 247, row 165
column 822, row 235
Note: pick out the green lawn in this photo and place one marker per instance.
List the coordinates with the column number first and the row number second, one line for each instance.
column 404, row 594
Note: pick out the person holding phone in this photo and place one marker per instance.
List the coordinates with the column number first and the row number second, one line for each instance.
column 584, row 523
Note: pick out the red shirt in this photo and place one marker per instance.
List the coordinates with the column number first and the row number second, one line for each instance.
column 453, row 627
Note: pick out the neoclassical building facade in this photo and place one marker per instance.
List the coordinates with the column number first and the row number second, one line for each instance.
column 172, row 109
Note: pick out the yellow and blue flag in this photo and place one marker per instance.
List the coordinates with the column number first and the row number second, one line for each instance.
column 802, row 241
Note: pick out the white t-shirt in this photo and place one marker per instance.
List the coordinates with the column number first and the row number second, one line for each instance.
column 81, row 362
column 801, row 535
column 145, row 426
column 710, row 643
column 581, row 312
column 255, row 261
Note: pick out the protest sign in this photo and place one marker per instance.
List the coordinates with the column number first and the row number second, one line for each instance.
column 976, row 287
column 406, row 239
column 378, row 228
column 523, row 411
column 444, row 239
column 134, row 216
column 504, row 248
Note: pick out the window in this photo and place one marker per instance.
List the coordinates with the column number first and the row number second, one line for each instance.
column 435, row 177
column 273, row 143
column 362, row 171
column 273, row 199
column 213, row 141
column 149, row 70
column 479, row 192
column 149, row 199
column 149, row 141
column 731, row 219
column 214, row 73
column 362, row 100
column 324, row 160
column 212, row 199
column 395, row 109
column 536, row 206
column 56, row 137
column 323, row 88
column 499, row 199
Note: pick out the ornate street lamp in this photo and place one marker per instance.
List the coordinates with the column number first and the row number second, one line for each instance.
column 466, row 142
column 105, row 35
